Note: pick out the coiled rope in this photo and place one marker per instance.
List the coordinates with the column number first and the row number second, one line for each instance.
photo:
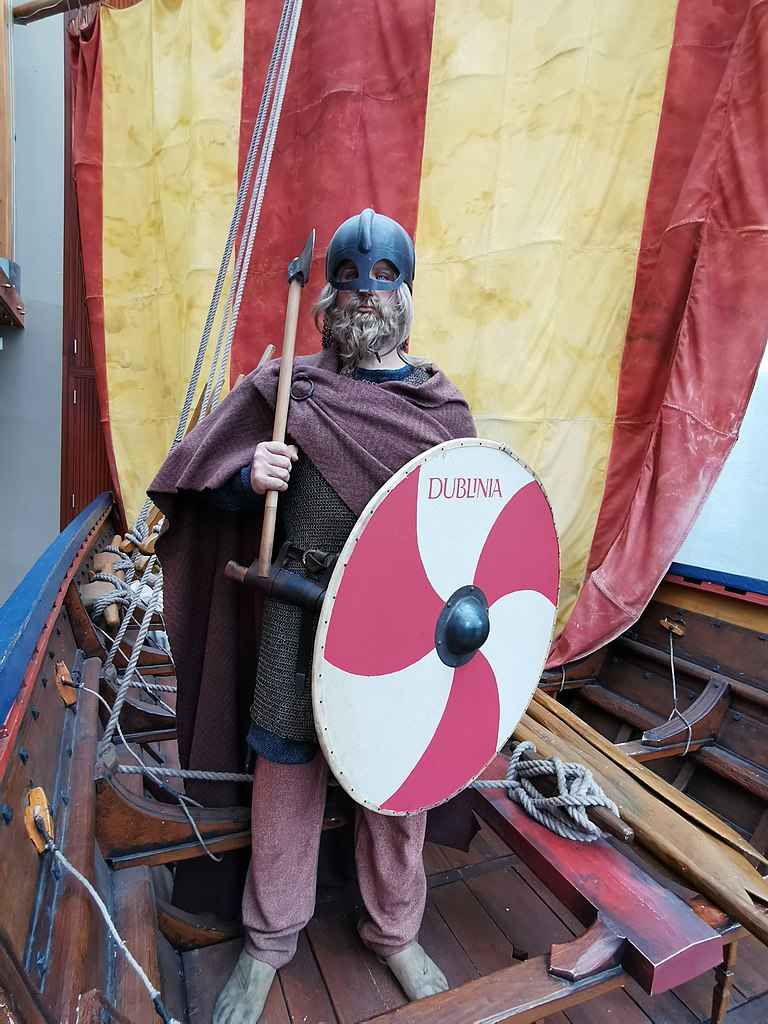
column 565, row 813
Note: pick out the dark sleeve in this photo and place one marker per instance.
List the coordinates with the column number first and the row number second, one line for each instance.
column 236, row 493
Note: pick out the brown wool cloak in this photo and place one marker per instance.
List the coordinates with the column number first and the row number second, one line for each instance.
column 357, row 435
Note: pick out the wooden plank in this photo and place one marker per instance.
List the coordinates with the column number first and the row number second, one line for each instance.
column 603, row 757
column 522, row 993
column 205, row 973
column 136, row 922
column 746, row 774
column 759, row 837
column 751, row 968
column 683, row 777
column 17, row 994
column 359, row 985
column 435, row 860
column 720, row 630
column 191, row 931
column 482, row 940
column 523, row 917
column 557, row 907
column 471, row 871
column 444, row 948
column 32, row 757
column 306, row 997
column 78, row 936
column 713, row 867
column 666, row 1008
column 755, row 1012
column 130, row 829
column 666, row 943
column 607, row 1008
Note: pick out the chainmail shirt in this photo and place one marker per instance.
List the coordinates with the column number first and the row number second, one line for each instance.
column 314, row 516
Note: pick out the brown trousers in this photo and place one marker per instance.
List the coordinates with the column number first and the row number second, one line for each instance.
column 279, row 897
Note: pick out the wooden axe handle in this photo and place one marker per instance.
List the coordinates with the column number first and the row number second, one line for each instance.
column 281, row 418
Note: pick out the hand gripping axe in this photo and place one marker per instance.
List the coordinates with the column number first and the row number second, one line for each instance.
column 267, row 578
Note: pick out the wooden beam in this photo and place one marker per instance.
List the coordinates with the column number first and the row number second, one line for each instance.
column 132, row 830
column 16, row 984
column 35, row 10
column 595, row 878
column 524, row 993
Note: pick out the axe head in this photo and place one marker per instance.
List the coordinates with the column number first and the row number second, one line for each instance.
column 299, row 268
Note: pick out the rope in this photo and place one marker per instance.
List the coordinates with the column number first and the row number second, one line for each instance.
column 153, row 687
column 157, row 587
column 281, row 54
column 565, row 813
column 234, row 224
column 155, row 775
column 292, row 9
column 154, row 993
column 675, row 712
column 189, row 773
column 122, row 692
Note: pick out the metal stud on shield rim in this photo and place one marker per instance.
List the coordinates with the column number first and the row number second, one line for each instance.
column 436, row 626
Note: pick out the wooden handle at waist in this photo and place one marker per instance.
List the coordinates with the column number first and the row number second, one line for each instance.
column 267, row 533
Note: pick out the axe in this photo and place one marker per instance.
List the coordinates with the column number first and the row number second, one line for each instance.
column 298, row 275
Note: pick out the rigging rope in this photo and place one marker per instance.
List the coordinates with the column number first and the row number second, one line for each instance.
column 260, row 185
column 675, row 712
column 272, row 100
column 138, row 643
column 154, row 993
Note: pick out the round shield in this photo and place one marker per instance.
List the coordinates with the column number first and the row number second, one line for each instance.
column 436, row 625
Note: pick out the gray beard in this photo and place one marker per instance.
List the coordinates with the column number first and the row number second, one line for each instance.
column 357, row 335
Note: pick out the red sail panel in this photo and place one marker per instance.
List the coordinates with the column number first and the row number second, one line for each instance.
column 87, row 157
column 351, row 136
column 699, row 317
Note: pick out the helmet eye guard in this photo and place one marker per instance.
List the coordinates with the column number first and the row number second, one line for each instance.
column 359, row 276
column 365, row 241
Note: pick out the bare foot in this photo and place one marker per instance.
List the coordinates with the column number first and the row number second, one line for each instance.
column 419, row 976
column 242, row 999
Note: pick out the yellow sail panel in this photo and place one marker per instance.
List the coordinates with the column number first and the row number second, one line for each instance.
column 540, row 133
column 172, row 81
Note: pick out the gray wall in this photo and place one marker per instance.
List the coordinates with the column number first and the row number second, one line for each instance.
column 30, row 359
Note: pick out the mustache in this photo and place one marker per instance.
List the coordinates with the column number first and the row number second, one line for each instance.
column 361, row 299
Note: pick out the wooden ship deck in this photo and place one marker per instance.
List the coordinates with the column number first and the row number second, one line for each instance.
column 485, row 911
column 505, row 921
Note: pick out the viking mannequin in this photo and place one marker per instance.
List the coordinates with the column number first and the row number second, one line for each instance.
column 368, row 409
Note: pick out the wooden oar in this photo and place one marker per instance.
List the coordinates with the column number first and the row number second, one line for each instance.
column 660, row 787
column 298, row 275
column 708, row 865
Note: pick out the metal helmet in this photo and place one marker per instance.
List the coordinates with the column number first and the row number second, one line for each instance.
column 366, row 239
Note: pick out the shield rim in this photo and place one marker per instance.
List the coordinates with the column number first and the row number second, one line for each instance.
column 333, row 585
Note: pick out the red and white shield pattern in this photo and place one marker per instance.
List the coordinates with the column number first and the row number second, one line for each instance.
column 401, row 730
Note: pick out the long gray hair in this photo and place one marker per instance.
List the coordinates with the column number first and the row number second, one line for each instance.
column 398, row 319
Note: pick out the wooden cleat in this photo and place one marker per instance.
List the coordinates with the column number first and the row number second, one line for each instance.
column 90, row 594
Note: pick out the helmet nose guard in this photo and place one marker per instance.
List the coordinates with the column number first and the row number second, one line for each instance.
column 366, row 239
